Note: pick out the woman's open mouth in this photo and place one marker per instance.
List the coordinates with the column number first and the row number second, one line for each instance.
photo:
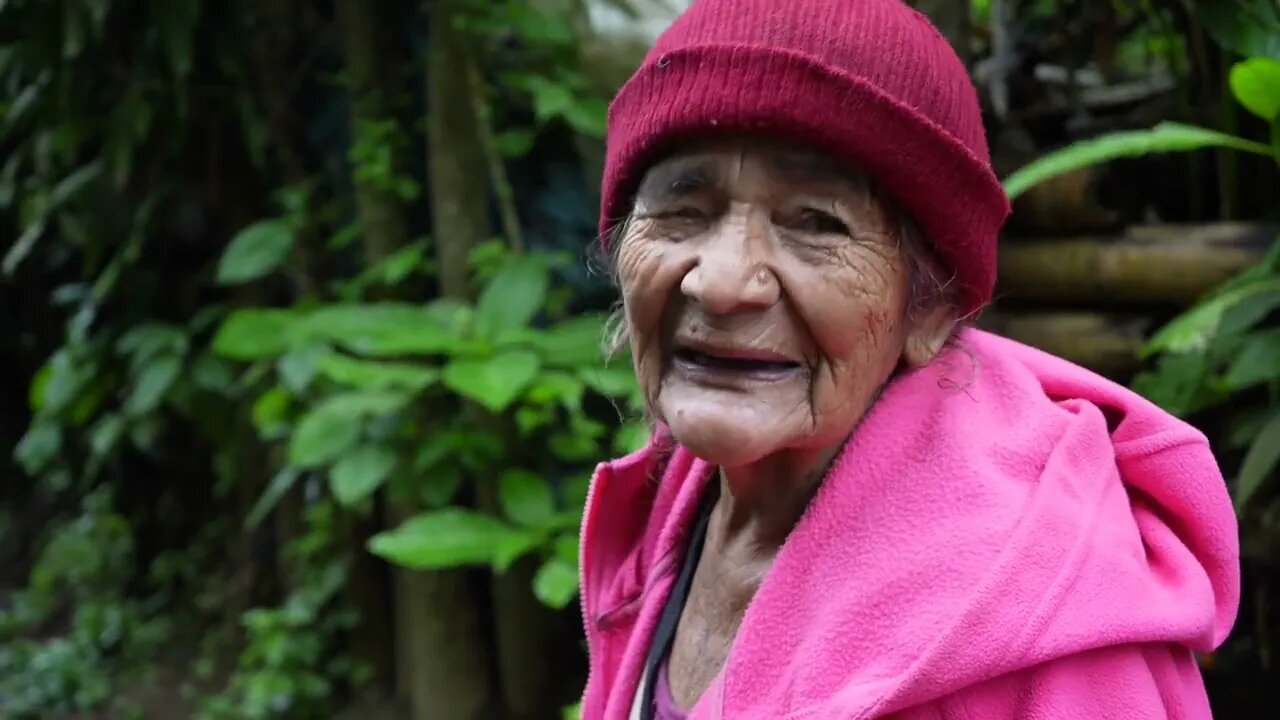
column 733, row 364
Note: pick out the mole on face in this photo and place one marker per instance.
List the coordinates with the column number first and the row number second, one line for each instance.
column 764, row 289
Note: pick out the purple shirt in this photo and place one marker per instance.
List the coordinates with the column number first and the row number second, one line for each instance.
column 664, row 704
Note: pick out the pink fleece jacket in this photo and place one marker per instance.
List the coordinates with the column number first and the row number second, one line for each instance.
column 1005, row 535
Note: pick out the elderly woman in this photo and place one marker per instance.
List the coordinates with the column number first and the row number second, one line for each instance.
column 853, row 506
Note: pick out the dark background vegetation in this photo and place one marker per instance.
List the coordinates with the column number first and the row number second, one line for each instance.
column 300, row 341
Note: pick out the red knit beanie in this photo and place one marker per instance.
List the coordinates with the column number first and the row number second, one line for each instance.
column 872, row 81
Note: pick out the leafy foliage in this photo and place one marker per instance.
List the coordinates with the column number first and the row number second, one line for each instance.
column 1226, row 346
column 226, row 350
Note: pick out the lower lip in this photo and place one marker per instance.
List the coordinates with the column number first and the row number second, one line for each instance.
column 720, row 376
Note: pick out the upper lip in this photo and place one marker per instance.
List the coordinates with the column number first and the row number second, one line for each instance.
column 736, row 352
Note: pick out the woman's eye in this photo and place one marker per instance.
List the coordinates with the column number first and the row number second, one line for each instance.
column 686, row 213
column 819, row 222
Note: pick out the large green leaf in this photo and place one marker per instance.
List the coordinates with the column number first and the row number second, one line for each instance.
column 556, row 583
column 360, row 472
column 1247, row 27
column 633, row 435
column 334, row 426
column 255, row 333
column 1256, row 84
column 1195, row 329
column 494, row 382
column 1165, row 137
column 39, row 447
column 573, row 343
column 255, row 251
column 143, row 342
column 512, row 297
column 526, row 497
column 381, row 329
column 376, row 375
column 152, row 384
column 443, row 539
column 1257, row 362
column 1259, row 463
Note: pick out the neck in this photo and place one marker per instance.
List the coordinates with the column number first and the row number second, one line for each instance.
column 764, row 500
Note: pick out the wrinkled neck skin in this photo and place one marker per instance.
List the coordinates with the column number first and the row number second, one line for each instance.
column 761, row 503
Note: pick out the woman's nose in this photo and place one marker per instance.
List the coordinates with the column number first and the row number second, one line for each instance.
column 732, row 273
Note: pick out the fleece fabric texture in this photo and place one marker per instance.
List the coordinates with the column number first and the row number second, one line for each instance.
column 871, row 81
column 1005, row 535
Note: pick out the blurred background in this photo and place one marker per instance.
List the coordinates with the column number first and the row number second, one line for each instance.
column 300, row 327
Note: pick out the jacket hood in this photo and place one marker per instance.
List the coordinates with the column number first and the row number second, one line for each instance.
column 995, row 510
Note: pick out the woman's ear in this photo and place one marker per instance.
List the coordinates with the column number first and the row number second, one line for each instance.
column 929, row 334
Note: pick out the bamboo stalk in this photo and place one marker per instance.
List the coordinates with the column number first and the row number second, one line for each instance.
column 1173, row 264
column 1107, row 344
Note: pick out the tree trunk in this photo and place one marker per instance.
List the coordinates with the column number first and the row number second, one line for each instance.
column 442, row 655
column 461, row 174
column 1173, row 264
column 455, row 156
column 382, row 213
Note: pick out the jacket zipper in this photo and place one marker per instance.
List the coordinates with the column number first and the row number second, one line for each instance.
column 588, row 511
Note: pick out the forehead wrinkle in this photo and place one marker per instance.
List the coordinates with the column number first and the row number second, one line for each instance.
column 810, row 169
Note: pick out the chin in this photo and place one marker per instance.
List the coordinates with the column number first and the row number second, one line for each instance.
column 721, row 437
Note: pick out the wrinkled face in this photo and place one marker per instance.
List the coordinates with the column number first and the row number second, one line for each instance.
column 766, row 291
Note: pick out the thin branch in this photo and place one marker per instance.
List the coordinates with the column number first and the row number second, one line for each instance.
column 501, row 185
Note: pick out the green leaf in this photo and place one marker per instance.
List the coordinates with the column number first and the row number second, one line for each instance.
column 556, row 583
column 567, row 549
column 39, row 447
column 633, row 435
column 334, row 426
column 525, row 497
column 1244, row 426
column 1257, row 362
column 1181, row 383
column 1165, row 137
column 1196, row 328
column 381, row 329
column 615, row 381
column 298, row 367
column 270, row 412
column 106, row 434
column 495, row 382
column 1259, row 462
column 588, row 116
column 255, row 333
column 512, row 297
column 513, row 547
column 573, row 343
column 1256, row 85
column 550, row 99
column 152, row 384
column 1246, row 27
column 143, row 342
column 514, row 143
column 374, row 375
column 276, row 489
column 360, row 472
column 443, row 539
column 73, row 184
column 557, row 387
column 255, row 251
column 441, row 485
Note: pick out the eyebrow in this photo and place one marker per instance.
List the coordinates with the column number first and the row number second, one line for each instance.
column 677, row 179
